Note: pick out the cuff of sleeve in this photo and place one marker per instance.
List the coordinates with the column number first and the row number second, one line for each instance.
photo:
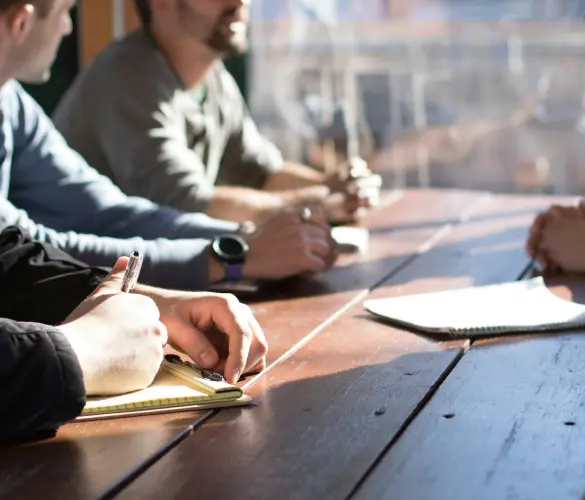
column 177, row 264
column 72, row 397
column 202, row 226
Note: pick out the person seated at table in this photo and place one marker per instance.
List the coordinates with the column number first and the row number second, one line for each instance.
column 48, row 189
column 557, row 238
column 58, row 344
column 158, row 113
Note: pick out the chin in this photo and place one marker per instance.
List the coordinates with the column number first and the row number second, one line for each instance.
column 227, row 47
column 41, row 77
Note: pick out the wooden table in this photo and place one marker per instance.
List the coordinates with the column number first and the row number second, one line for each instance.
column 352, row 408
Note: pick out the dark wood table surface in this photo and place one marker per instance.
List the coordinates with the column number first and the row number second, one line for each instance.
column 350, row 407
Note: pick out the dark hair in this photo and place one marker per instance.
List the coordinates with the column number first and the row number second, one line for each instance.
column 43, row 7
column 144, row 12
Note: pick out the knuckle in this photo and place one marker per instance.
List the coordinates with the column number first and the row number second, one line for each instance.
column 262, row 347
column 247, row 334
column 161, row 331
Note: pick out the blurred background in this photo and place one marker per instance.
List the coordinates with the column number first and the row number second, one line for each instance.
column 475, row 94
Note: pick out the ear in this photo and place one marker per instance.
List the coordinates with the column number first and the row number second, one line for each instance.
column 20, row 20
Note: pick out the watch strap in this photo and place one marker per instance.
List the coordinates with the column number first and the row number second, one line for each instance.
column 233, row 272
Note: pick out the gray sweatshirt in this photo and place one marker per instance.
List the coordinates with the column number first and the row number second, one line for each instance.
column 50, row 191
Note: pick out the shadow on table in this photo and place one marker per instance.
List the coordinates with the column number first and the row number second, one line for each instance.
column 84, row 465
column 316, row 435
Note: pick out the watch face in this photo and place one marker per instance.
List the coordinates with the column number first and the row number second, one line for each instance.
column 230, row 248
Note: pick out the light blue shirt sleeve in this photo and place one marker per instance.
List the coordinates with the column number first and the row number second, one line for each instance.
column 58, row 198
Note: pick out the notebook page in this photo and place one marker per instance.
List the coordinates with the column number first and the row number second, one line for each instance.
column 165, row 389
column 354, row 239
column 514, row 305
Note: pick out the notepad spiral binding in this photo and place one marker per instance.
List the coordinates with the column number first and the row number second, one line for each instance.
column 546, row 327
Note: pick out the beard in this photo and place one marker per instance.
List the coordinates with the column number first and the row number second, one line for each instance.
column 230, row 43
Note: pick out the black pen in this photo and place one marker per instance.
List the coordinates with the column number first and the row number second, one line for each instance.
column 132, row 272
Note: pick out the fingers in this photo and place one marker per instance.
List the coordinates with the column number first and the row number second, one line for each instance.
column 230, row 316
column 113, row 281
column 363, row 184
column 198, row 347
column 535, row 235
column 363, row 192
column 161, row 331
column 259, row 348
column 247, row 343
column 317, row 240
column 316, row 216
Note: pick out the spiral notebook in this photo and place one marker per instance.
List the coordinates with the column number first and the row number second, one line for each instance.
column 519, row 307
column 178, row 386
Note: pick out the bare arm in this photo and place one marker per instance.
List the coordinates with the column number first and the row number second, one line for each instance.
column 242, row 204
column 294, row 176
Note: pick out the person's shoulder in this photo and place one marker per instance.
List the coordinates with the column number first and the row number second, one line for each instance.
column 12, row 88
column 131, row 55
column 129, row 70
column 14, row 96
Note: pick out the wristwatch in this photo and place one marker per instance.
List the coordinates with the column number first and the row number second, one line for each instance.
column 231, row 251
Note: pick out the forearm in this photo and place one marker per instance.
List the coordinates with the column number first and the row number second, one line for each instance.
column 180, row 263
column 241, row 204
column 244, row 204
column 294, row 176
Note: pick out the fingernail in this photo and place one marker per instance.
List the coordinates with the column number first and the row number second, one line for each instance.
column 208, row 359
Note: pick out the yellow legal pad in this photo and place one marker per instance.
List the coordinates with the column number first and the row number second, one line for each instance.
column 178, row 386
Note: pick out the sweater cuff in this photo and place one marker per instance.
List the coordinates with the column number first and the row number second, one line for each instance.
column 71, row 400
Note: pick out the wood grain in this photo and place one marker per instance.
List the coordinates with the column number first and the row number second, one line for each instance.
column 399, row 233
column 86, row 458
column 508, row 422
column 326, row 413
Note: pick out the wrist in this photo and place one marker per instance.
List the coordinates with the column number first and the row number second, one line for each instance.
column 216, row 268
column 227, row 256
column 78, row 342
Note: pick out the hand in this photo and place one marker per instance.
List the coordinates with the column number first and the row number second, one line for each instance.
column 562, row 240
column 354, row 188
column 117, row 337
column 215, row 330
column 284, row 245
column 534, row 241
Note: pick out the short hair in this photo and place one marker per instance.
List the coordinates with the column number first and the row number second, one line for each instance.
column 43, row 7
column 143, row 9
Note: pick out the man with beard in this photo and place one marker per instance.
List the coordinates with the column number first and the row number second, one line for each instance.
column 48, row 190
column 159, row 114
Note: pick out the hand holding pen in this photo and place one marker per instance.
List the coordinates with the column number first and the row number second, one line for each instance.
column 118, row 337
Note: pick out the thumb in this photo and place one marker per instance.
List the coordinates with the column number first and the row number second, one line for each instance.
column 113, row 281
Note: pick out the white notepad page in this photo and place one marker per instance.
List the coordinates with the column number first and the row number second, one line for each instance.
column 351, row 239
column 519, row 306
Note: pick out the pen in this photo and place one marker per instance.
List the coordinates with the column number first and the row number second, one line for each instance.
column 132, row 272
